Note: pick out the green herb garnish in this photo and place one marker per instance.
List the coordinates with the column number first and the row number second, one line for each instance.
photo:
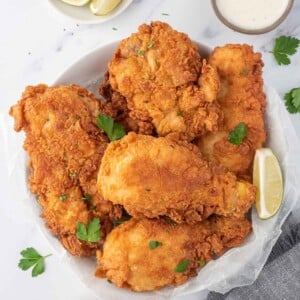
column 154, row 244
column 31, row 258
column 140, row 52
column 284, row 46
column 121, row 220
column 151, row 44
column 73, row 175
column 182, row 266
column 113, row 129
column 245, row 71
column 237, row 135
column 63, row 197
column 180, row 113
column 89, row 233
column 292, row 100
column 165, row 14
column 114, row 28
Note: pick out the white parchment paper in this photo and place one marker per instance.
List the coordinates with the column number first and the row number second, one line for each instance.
column 237, row 267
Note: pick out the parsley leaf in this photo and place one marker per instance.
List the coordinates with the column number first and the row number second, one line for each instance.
column 200, row 262
column 284, row 46
column 237, row 135
column 31, row 258
column 155, row 244
column 151, row 44
column 120, row 221
column 140, row 52
column 91, row 232
column 63, row 197
column 182, row 266
column 292, row 100
column 87, row 198
column 113, row 130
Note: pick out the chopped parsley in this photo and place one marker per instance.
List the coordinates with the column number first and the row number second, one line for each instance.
column 140, row 52
column 91, row 232
column 113, row 130
column 151, row 44
column 284, row 47
column 237, row 135
column 73, row 175
column 182, row 266
column 154, row 244
column 63, row 197
column 200, row 262
column 87, row 198
column 31, row 258
column 292, row 100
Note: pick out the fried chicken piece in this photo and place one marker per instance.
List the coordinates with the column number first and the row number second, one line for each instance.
column 159, row 72
column 128, row 261
column 154, row 177
column 242, row 100
column 65, row 148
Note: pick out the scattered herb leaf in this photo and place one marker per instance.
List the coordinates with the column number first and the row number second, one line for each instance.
column 165, row 14
column 154, row 244
column 140, row 52
column 237, row 135
column 113, row 130
column 72, row 175
column 89, row 233
column 180, row 113
column 63, row 197
column 182, row 266
column 151, row 44
column 114, row 28
column 284, row 46
column 292, row 100
column 31, row 258
column 93, row 207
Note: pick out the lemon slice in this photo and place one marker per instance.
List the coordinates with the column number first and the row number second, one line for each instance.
column 103, row 7
column 76, row 2
column 268, row 179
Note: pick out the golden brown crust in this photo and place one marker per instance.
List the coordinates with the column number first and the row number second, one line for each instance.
column 65, row 148
column 157, row 71
column 128, row 261
column 242, row 100
column 152, row 177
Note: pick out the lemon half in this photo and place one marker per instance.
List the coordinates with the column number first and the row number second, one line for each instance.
column 76, row 2
column 267, row 178
column 103, row 7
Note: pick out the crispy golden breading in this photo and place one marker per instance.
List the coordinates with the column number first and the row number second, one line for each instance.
column 242, row 100
column 159, row 72
column 153, row 177
column 128, row 261
column 65, row 148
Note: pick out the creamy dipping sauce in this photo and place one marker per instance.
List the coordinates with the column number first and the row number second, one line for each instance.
column 252, row 14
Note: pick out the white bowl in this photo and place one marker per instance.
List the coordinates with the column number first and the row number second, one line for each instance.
column 83, row 15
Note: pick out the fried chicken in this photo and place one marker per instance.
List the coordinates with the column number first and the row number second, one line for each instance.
column 154, row 177
column 128, row 261
column 159, row 72
column 65, row 148
column 242, row 100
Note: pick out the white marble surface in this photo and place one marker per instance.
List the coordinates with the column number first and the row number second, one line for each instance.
column 36, row 45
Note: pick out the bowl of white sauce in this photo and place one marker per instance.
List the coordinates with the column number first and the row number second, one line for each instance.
column 252, row 16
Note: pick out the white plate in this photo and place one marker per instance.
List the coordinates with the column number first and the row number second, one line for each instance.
column 83, row 15
column 238, row 266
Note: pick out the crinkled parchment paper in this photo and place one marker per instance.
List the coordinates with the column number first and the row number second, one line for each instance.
column 237, row 267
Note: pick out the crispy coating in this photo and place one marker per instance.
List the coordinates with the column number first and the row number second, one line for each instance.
column 128, row 261
column 242, row 100
column 65, row 148
column 153, row 177
column 159, row 72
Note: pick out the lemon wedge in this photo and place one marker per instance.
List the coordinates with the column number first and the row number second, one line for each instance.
column 76, row 2
column 103, row 7
column 268, row 180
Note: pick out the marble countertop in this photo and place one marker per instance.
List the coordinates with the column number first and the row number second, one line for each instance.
column 37, row 45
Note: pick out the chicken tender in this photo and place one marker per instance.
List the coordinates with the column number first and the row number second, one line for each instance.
column 242, row 100
column 128, row 261
column 65, row 148
column 154, row 177
column 159, row 72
